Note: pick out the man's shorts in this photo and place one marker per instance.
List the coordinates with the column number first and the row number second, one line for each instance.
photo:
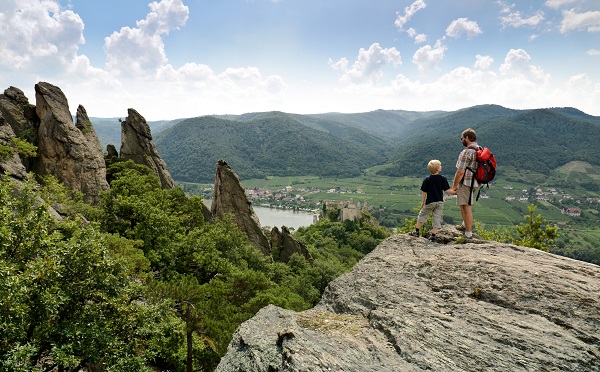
column 435, row 208
column 462, row 194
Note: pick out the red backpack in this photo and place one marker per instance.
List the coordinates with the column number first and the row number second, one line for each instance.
column 486, row 168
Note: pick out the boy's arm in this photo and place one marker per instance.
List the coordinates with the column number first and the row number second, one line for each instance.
column 423, row 197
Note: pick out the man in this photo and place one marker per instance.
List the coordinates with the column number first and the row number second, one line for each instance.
column 463, row 178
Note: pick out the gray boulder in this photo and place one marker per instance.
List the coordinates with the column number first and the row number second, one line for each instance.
column 63, row 149
column 230, row 198
column 137, row 145
column 412, row 305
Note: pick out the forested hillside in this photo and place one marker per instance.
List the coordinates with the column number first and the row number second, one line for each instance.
column 141, row 282
column 531, row 140
column 276, row 145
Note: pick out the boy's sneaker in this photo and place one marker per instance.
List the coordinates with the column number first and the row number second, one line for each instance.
column 433, row 238
column 414, row 233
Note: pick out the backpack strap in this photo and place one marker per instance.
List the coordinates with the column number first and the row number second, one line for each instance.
column 475, row 148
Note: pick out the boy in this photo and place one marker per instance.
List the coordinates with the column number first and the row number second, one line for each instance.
column 432, row 198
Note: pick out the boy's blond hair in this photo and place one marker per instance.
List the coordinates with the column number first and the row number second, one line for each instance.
column 434, row 166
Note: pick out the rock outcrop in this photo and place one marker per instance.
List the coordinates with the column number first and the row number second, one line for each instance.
column 229, row 197
column 411, row 305
column 63, row 150
column 19, row 113
column 10, row 163
column 284, row 245
column 137, row 145
column 83, row 123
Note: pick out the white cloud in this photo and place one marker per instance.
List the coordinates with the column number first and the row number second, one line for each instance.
column 515, row 19
column 483, row 62
column 140, row 50
column 578, row 21
column 419, row 38
column 409, row 11
column 38, row 34
column 428, row 58
column 368, row 66
column 593, row 52
column 555, row 4
column 516, row 64
column 463, row 26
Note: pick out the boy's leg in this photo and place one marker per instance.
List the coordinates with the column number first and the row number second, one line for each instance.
column 437, row 211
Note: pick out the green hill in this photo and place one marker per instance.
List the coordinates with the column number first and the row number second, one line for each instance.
column 528, row 140
column 269, row 144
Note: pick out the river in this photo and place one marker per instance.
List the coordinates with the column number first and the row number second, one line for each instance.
column 283, row 217
column 279, row 217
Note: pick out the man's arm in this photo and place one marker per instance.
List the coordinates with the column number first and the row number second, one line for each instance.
column 457, row 178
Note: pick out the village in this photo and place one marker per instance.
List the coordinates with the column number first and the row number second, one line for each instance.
column 292, row 198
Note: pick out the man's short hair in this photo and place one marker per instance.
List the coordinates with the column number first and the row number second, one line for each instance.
column 470, row 134
column 434, row 166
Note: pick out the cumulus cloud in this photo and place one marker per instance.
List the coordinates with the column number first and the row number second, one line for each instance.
column 141, row 50
column 428, row 58
column 419, row 38
column 579, row 21
column 463, row 26
column 483, row 62
column 516, row 20
column 517, row 64
column 38, row 33
column 593, row 52
column 368, row 66
column 409, row 11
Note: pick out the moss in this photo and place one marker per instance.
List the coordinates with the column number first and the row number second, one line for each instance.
column 324, row 321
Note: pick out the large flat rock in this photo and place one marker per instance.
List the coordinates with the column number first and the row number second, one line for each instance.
column 411, row 305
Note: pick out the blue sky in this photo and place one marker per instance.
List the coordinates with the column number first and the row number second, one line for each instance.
column 182, row 58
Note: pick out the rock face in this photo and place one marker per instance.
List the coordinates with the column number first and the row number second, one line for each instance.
column 284, row 245
column 21, row 117
column 411, row 305
column 19, row 113
column 83, row 123
column 229, row 197
column 137, row 145
column 11, row 163
column 63, row 150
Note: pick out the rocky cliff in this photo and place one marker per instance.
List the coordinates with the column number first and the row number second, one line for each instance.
column 411, row 305
column 137, row 145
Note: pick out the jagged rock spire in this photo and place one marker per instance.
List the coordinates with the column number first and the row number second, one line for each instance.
column 230, row 198
column 137, row 145
column 64, row 151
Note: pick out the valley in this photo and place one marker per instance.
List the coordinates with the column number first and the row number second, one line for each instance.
column 503, row 205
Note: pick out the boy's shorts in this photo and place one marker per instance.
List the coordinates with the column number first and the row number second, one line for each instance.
column 462, row 194
column 435, row 208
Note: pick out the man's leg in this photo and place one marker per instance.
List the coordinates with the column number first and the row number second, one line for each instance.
column 466, row 212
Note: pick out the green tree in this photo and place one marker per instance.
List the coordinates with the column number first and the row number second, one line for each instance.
column 65, row 300
column 536, row 232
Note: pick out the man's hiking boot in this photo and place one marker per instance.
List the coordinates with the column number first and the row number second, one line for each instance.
column 460, row 227
column 414, row 233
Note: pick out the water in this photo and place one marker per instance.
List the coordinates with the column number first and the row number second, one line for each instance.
column 273, row 217
column 279, row 217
